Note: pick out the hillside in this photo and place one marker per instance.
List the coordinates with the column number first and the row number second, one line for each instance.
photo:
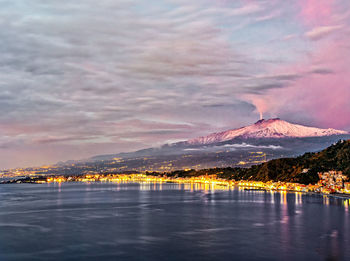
column 335, row 157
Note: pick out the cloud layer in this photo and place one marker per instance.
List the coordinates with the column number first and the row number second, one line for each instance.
column 86, row 77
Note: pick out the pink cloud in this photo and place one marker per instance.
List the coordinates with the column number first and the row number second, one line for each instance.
column 320, row 95
column 318, row 33
column 316, row 12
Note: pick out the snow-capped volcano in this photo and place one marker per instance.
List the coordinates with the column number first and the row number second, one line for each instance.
column 272, row 128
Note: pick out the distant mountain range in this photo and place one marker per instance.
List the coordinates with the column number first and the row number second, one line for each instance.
column 246, row 146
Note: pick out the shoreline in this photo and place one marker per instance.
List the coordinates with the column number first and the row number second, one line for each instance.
column 204, row 180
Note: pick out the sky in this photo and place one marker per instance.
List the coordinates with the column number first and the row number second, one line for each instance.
column 82, row 78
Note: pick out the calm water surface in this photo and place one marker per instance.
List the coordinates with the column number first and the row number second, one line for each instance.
column 76, row 221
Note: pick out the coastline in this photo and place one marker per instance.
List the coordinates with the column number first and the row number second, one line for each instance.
column 204, row 180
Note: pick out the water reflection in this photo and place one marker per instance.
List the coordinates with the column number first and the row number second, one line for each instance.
column 298, row 198
column 189, row 221
column 210, row 192
column 346, row 205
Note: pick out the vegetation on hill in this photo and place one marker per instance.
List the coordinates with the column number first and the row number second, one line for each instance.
column 302, row 169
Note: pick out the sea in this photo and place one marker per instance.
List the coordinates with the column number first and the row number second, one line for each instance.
column 168, row 221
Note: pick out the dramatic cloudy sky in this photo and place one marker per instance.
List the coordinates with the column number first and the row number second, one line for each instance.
column 80, row 78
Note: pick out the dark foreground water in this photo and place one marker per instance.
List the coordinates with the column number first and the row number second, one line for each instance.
column 76, row 221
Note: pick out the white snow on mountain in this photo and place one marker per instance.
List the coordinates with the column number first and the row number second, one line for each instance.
column 272, row 128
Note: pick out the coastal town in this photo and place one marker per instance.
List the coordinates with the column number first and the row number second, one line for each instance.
column 332, row 182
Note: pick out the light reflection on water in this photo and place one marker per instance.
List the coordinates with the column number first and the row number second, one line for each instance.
column 133, row 221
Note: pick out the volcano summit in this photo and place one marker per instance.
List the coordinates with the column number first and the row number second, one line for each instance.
column 263, row 140
column 272, row 128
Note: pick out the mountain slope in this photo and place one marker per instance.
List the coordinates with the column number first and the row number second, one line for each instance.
column 264, row 140
column 272, row 128
column 335, row 157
